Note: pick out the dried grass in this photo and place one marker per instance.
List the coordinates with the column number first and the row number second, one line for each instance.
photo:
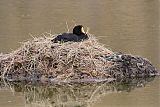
column 42, row 59
column 86, row 61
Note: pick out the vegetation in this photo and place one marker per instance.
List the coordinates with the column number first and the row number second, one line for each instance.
column 42, row 59
column 87, row 61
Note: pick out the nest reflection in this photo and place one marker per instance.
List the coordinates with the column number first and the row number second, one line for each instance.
column 72, row 95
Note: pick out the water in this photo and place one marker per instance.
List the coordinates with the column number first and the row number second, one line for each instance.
column 132, row 93
column 129, row 26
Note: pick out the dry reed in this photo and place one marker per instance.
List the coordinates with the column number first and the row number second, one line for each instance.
column 42, row 59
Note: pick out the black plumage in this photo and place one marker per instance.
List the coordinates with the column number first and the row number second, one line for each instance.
column 77, row 35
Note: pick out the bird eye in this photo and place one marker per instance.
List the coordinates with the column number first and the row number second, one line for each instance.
column 82, row 30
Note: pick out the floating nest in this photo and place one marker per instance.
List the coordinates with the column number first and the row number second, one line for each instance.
column 87, row 61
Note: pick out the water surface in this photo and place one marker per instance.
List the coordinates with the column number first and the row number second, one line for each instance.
column 128, row 26
column 130, row 93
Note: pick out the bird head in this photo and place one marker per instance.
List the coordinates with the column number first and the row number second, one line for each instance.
column 78, row 30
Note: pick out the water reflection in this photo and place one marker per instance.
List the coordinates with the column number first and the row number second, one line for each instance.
column 71, row 95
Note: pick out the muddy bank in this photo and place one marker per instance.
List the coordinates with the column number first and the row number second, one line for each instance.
column 88, row 61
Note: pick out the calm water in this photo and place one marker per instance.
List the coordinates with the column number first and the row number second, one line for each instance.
column 129, row 26
column 132, row 93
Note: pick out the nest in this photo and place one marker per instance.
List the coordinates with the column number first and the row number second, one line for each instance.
column 42, row 59
column 86, row 61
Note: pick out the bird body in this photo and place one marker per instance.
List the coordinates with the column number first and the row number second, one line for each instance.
column 77, row 35
column 65, row 37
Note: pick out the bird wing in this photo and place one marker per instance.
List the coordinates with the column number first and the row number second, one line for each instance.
column 66, row 37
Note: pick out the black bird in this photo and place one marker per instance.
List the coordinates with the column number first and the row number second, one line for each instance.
column 77, row 35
